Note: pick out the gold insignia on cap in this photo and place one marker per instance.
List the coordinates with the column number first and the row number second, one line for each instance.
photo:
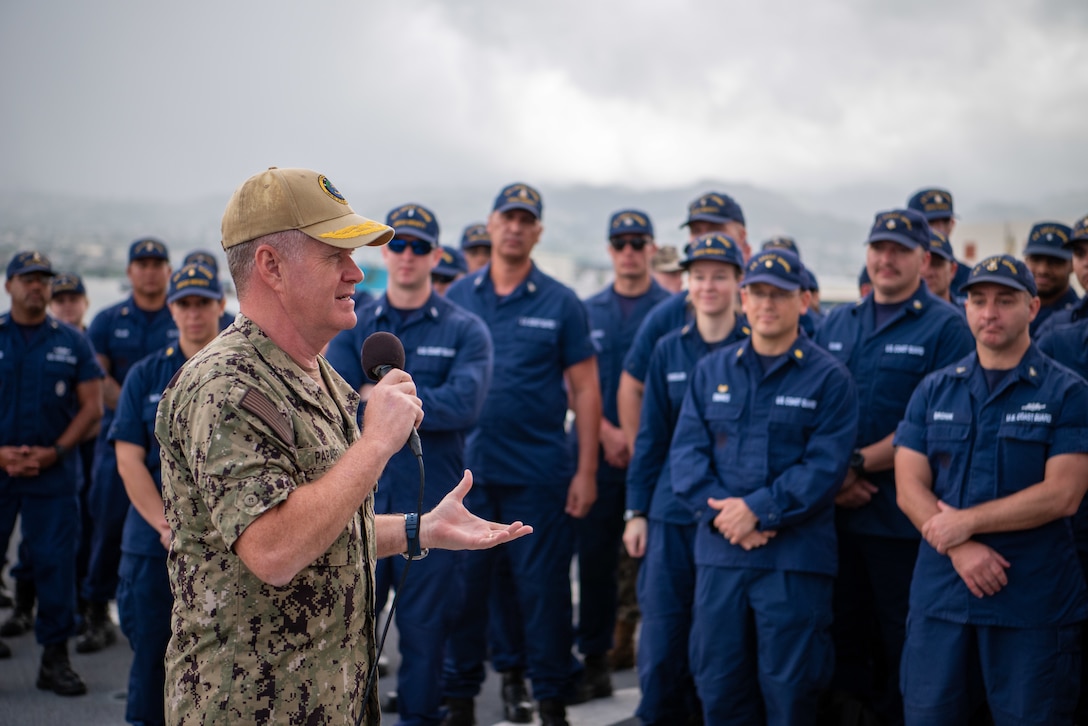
column 355, row 230
column 769, row 263
column 328, row 188
column 991, row 264
column 723, row 388
column 890, row 224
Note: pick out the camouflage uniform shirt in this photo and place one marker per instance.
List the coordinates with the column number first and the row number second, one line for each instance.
column 241, row 427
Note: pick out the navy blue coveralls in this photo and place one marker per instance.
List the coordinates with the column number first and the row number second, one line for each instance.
column 448, row 353
column 144, row 599
column 1023, row 643
column 123, row 334
column 877, row 543
column 780, row 440
column 666, row 579
column 39, row 378
column 522, row 466
column 601, row 531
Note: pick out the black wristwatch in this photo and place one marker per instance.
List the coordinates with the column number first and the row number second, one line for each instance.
column 630, row 514
column 857, row 462
column 411, row 532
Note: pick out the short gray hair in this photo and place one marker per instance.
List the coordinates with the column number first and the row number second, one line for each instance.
column 241, row 258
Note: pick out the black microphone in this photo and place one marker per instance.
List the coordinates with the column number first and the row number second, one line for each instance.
column 382, row 352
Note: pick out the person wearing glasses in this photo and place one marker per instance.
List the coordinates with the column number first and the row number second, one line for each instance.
column 615, row 313
column 451, row 267
column 762, row 441
column 660, row 530
column 448, row 353
column 521, row 458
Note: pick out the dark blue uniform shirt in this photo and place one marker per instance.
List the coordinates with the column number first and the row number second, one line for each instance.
column 38, row 397
column 649, row 484
column 984, row 445
column 448, row 353
column 1065, row 304
column 780, row 440
column 539, row 331
column 124, row 334
column 670, row 314
column 612, row 335
column 1062, row 317
column 887, row 364
column 134, row 423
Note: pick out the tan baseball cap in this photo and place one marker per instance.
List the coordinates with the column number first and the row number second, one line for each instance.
column 277, row 200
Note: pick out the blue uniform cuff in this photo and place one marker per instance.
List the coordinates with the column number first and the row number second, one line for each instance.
column 763, row 506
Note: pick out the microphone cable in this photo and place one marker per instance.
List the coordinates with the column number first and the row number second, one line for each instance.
column 371, row 678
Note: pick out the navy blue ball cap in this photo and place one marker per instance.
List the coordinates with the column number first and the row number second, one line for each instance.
column 148, row 248
column 1050, row 239
column 781, row 242
column 809, row 281
column 938, row 245
column 780, row 268
column 714, row 207
column 1079, row 232
column 451, row 263
column 475, row 235
column 194, row 279
column 715, row 247
column 1003, row 270
column 23, row 263
column 519, row 196
column 68, row 282
column 902, row 226
column 202, row 257
column 630, row 221
column 414, row 220
column 933, row 203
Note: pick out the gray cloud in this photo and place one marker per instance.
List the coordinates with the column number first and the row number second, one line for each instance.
column 131, row 100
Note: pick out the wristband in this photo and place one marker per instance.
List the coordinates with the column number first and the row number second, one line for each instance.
column 411, row 533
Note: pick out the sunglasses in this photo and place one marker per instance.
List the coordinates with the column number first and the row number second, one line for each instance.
column 419, row 247
column 637, row 243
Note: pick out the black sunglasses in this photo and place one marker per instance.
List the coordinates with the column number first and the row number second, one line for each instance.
column 419, row 247
column 637, row 243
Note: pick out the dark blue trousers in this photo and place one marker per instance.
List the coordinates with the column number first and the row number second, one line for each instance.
column 144, row 602
column 540, row 572
column 50, row 533
column 599, row 536
column 108, row 504
column 666, row 596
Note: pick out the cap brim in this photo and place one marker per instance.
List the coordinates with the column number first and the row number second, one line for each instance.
column 518, row 205
column 33, row 268
column 1063, row 253
column 193, row 292
column 997, row 280
column 893, row 237
column 474, row 245
column 349, row 232
column 942, row 253
column 717, row 219
column 770, row 280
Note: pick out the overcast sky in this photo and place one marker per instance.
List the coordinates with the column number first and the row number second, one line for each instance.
column 182, row 100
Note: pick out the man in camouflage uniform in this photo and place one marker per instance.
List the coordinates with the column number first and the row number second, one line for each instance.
column 268, row 484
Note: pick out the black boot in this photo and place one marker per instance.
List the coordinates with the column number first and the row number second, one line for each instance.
column 553, row 712
column 516, row 704
column 100, row 631
column 5, row 651
column 21, row 619
column 56, row 672
column 596, row 680
column 460, row 712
